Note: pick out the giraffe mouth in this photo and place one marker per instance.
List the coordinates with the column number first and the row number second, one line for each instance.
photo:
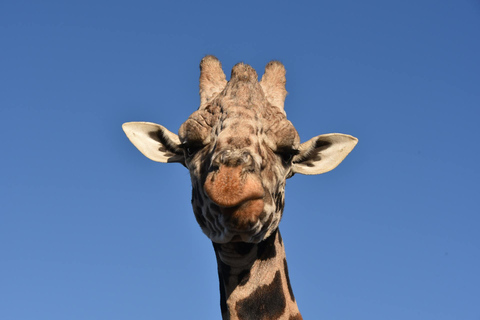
column 243, row 217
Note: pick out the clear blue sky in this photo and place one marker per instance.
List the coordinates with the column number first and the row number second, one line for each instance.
column 91, row 229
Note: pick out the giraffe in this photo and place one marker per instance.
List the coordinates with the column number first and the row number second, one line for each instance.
column 240, row 148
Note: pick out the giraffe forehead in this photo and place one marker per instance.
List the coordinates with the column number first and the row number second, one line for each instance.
column 239, row 123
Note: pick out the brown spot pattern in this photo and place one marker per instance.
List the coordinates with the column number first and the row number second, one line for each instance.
column 265, row 303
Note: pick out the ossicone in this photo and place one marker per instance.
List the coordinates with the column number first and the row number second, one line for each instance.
column 273, row 83
column 212, row 78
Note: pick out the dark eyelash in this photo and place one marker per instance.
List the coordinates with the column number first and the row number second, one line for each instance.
column 191, row 148
column 287, row 154
column 287, row 150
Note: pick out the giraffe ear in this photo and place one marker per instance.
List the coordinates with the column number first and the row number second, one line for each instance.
column 154, row 141
column 323, row 153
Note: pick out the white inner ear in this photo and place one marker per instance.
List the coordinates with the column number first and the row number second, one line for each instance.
column 139, row 133
column 323, row 159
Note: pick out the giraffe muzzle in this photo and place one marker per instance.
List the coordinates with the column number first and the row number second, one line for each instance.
column 239, row 196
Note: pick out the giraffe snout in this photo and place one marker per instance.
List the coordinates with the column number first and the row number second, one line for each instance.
column 239, row 197
column 228, row 187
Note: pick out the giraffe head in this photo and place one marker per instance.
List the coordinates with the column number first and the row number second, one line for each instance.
column 239, row 148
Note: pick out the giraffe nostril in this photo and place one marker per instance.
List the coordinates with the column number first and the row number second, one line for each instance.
column 224, row 156
column 246, row 158
column 248, row 162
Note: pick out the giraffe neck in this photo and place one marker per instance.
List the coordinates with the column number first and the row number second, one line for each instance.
column 254, row 281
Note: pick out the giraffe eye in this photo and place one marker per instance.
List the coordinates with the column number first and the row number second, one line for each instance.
column 191, row 149
column 287, row 157
column 287, row 154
